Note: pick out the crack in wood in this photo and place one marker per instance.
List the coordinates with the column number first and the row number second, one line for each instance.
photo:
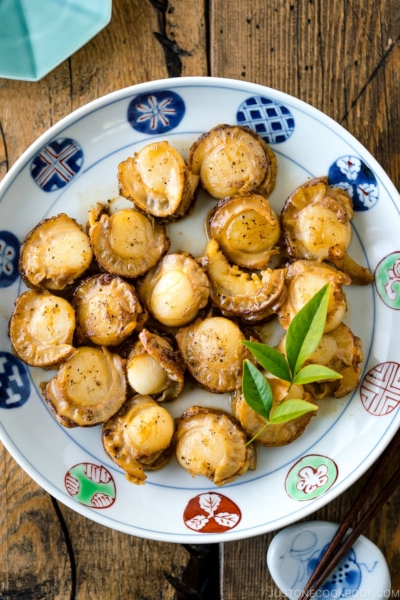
column 357, row 17
column 172, row 51
column 201, row 577
column 6, row 160
column 371, row 78
column 68, row 544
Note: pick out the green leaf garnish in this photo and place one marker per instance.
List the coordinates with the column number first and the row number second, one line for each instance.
column 302, row 339
column 306, row 329
column 312, row 373
column 256, row 390
column 270, row 359
column 291, row 409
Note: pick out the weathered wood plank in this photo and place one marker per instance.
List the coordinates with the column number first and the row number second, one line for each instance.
column 186, row 25
column 342, row 57
column 34, row 561
column 115, row 565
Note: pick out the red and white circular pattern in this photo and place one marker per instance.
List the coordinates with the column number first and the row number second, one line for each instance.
column 380, row 389
column 211, row 513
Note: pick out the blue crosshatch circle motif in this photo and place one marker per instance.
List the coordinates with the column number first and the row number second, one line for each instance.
column 271, row 120
column 156, row 112
column 15, row 387
column 57, row 164
column 353, row 176
column 9, row 255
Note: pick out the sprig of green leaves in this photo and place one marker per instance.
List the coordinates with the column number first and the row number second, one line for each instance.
column 302, row 339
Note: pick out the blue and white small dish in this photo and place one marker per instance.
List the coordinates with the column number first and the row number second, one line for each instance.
column 295, row 552
column 37, row 35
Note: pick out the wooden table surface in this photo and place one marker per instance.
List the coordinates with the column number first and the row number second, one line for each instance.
column 342, row 57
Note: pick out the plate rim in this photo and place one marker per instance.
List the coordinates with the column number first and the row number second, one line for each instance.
column 240, row 85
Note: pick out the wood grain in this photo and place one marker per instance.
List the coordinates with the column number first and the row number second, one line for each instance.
column 342, row 57
column 110, row 564
column 29, row 533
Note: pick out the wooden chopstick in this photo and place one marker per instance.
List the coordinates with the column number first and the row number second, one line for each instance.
column 331, row 558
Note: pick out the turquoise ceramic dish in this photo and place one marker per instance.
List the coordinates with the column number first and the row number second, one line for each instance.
column 37, row 35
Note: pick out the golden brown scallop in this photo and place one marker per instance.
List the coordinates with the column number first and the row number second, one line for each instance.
column 139, row 436
column 175, row 290
column 275, row 434
column 316, row 226
column 212, row 444
column 304, row 279
column 54, row 254
column 41, row 329
column 239, row 293
column 157, row 180
column 154, row 368
column 246, row 229
column 233, row 160
column 88, row 389
column 126, row 243
column 213, row 353
column 107, row 310
column 341, row 351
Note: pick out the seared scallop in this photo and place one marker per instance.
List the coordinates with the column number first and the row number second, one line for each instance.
column 341, row 351
column 138, row 437
column 213, row 353
column 88, row 389
column 316, row 224
column 54, row 254
column 157, row 180
column 212, row 444
column 154, row 368
column 41, row 329
column 175, row 290
column 275, row 434
column 107, row 310
column 126, row 243
column 233, row 160
column 247, row 230
column 239, row 293
column 304, row 279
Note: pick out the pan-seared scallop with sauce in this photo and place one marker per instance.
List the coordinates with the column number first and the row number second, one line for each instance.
column 158, row 181
column 126, row 243
column 213, row 353
column 54, row 254
column 154, row 368
column 88, row 389
column 304, row 279
column 275, row 434
column 107, row 310
column 341, row 351
column 316, row 225
column 247, row 230
column 233, row 160
column 138, row 438
column 41, row 329
column 212, row 444
column 237, row 293
column 175, row 290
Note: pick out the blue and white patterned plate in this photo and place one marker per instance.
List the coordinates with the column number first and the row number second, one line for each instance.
column 72, row 167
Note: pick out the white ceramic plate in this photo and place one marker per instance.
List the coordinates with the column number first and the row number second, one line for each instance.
column 72, row 167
